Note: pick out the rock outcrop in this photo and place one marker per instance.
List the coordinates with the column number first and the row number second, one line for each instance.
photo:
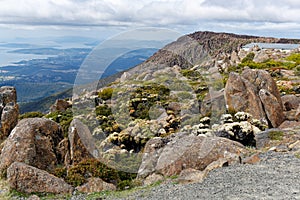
column 28, row 179
column 32, row 141
column 255, row 92
column 170, row 157
column 9, row 110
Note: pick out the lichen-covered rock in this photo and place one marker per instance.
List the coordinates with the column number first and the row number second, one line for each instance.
column 28, row 179
column 195, row 152
column 96, row 185
column 33, row 142
column 9, row 110
column 255, row 92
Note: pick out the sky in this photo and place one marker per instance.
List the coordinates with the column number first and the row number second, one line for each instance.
column 103, row 18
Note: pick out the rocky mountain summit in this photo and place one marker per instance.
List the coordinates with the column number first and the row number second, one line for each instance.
column 201, row 103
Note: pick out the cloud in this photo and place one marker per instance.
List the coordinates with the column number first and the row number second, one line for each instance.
column 136, row 13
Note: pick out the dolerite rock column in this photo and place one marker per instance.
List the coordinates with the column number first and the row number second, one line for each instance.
column 9, row 110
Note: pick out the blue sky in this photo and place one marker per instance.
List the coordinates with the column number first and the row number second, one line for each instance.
column 104, row 18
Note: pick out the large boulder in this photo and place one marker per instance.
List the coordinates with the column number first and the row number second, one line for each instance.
column 33, row 142
column 9, row 110
column 82, row 144
column 28, row 179
column 196, row 152
column 255, row 92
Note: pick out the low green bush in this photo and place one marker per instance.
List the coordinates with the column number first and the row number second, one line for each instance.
column 295, row 58
column 276, row 135
column 249, row 58
column 103, row 110
column 31, row 115
column 78, row 174
column 63, row 118
column 106, row 93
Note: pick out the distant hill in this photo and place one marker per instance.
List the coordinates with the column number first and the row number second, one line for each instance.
column 44, row 104
column 113, row 71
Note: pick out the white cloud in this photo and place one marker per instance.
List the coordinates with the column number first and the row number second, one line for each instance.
column 167, row 13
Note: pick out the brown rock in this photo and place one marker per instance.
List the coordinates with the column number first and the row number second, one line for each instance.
column 60, row 105
column 82, row 144
column 290, row 115
column 9, row 110
column 96, row 185
column 193, row 152
column 272, row 107
column 153, row 178
column 33, row 142
column 28, row 179
column 290, row 125
column 194, row 176
column 9, row 119
column 290, row 102
column 242, row 94
column 235, row 90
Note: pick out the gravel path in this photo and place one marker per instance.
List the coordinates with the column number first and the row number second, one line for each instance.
column 277, row 176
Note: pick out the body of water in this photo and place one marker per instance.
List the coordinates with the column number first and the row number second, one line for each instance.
column 11, row 58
